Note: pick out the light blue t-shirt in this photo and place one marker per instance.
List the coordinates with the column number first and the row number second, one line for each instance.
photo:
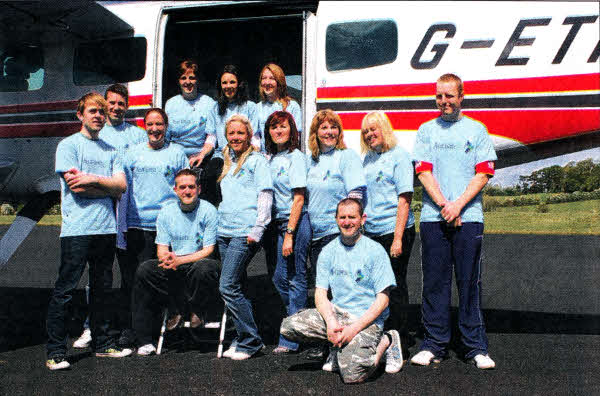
column 355, row 274
column 265, row 109
column 80, row 215
column 288, row 171
column 189, row 122
column 186, row 232
column 388, row 175
column 328, row 182
column 151, row 177
column 454, row 148
column 238, row 209
column 247, row 109
column 123, row 137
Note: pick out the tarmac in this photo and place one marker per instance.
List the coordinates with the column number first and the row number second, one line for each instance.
column 541, row 305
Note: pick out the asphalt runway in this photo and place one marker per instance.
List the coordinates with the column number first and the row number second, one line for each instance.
column 541, row 304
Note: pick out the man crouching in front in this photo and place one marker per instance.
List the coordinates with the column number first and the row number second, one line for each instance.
column 359, row 274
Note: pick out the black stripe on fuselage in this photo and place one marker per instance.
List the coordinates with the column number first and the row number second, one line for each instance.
column 578, row 101
column 59, row 116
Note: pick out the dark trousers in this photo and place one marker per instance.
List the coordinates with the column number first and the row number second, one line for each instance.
column 154, row 285
column 398, row 295
column 444, row 249
column 140, row 248
column 210, row 189
column 99, row 252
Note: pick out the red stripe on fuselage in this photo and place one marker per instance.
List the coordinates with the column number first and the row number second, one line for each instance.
column 525, row 126
column 568, row 83
column 138, row 100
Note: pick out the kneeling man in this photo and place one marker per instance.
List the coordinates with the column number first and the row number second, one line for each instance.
column 189, row 227
column 357, row 270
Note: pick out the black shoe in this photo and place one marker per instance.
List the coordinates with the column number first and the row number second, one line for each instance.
column 126, row 339
column 318, row 353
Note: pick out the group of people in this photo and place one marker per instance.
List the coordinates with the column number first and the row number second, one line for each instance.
column 187, row 205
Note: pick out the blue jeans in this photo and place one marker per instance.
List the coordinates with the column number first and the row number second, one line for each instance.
column 290, row 272
column 99, row 252
column 445, row 248
column 235, row 257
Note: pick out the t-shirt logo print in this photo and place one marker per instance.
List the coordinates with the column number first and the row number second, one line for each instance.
column 281, row 172
column 468, row 146
column 202, row 121
column 199, row 238
column 327, row 174
column 169, row 172
column 379, row 176
column 359, row 276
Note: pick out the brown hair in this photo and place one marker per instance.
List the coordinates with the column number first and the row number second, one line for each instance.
column 275, row 118
column 159, row 111
column 449, row 77
column 93, row 97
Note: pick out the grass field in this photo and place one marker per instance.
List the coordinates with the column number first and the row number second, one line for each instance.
column 582, row 217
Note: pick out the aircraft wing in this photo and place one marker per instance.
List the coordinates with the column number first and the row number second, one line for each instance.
column 85, row 19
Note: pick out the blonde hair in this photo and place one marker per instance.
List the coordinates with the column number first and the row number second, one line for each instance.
column 226, row 156
column 383, row 122
column 313, row 142
column 93, row 97
column 279, row 76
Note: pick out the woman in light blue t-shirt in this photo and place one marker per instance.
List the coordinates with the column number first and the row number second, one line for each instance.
column 390, row 221
column 244, row 214
column 272, row 89
column 292, row 227
column 232, row 98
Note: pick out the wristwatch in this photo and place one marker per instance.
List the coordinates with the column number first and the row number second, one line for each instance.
column 289, row 231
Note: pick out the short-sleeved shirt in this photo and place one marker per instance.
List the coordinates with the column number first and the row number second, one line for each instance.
column 453, row 148
column 355, row 274
column 239, row 208
column 247, row 109
column 81, row 215
column 186, row 232
column 329, row 180
column 123, row 137
column 288, row 171
column 388, row 175
column 189, row 122
column 151, row 177
column 265, row 109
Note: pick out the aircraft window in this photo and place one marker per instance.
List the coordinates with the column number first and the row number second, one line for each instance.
column 110, row 61
column 21, row 69
column 358, row 45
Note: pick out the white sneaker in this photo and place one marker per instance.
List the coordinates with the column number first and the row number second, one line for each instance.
column 484, row 362
column 240, row 356
column 393, row 354
column 331, row 364
column 115, row 352
column 422, row 358
column 58, row 363
column 230, row 352
column 146, row 350
column 84, row 339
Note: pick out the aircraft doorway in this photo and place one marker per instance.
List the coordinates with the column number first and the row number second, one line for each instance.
column 247, row 35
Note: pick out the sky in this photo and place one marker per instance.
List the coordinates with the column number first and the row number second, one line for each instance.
column 510, row 176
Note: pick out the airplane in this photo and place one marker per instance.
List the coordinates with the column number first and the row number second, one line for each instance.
column 530, row 70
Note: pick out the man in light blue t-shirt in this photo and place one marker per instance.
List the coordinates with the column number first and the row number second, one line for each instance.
column 186, row 233
column 91, row 176
column 454, row 158
column 358, row 273
column 122, row 136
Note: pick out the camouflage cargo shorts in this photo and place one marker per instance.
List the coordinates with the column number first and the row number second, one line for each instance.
column 356, row 360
